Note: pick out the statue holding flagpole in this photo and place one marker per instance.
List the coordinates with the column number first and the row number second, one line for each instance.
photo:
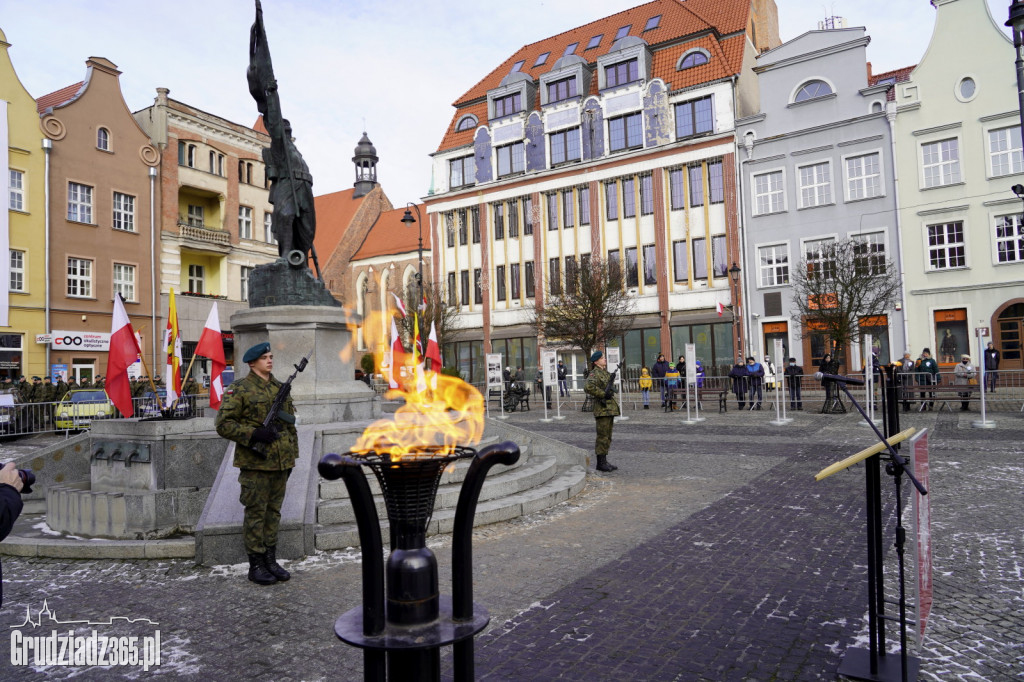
column 291, row 185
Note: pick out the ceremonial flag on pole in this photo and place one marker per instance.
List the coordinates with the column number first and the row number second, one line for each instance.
column 721, row 308
column 397, row 355
column 172, row 344
column 124, row 350
column 211, row 345
column 398, row 301
column 433, row 350
column 423, row 304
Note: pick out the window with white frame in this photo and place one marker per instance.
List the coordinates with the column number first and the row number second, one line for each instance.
column 511, row 159
column 103, row 139
column 820, row 258
column 940, row 162
column 815, row 184
column 462, row 171
column 863, row 176
column 869, row 253
column 16, row 190
column 946, row 249
column 124, row 212
column 17, row 270
column 1009, row 240
column 268, row 223
column 79, row 203
column 245, row 222
column 244, row 281
column 124, row 281
column 196, row 279
column 196, row 216
column 769, row 193
column 1004, row 149
column 773, row 262
column 79, row 277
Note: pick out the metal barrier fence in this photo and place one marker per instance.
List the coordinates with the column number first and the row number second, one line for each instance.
column 19, row 419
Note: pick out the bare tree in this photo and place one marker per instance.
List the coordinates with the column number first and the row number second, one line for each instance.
column 437, row 311
column 842, row 285
column 592, row 308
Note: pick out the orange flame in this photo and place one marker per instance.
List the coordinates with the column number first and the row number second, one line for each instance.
column 433, row 421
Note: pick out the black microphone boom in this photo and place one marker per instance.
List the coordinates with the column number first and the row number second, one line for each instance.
column 838, row 377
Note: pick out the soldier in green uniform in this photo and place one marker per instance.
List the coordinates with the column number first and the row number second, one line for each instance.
column 86, row 383
column 98, row 381
column 263, row 478
column 605, row 408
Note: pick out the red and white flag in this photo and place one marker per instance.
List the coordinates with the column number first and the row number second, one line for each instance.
column 721, row 308
column 211, row 345
column 433, row 350
column 124, row 350
column 397, row 355
column 398, row 302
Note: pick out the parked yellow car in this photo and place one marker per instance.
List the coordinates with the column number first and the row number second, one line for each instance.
column 78, row 408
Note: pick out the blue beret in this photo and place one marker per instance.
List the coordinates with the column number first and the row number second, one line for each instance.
column 254, row 353
column 596, row 356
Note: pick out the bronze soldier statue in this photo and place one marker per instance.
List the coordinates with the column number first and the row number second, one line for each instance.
column 291, row 185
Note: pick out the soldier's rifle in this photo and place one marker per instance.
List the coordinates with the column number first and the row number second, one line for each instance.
column 270, row 421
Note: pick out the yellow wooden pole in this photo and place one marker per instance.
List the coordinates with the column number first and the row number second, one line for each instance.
column 864, row 454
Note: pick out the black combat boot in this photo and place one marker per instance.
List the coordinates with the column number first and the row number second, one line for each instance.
column 274, row 567
column 603, row 465
column 258, row 572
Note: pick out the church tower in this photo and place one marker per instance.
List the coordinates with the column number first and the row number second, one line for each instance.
column 366, row 166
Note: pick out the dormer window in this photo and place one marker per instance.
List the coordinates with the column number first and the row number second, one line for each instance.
column 812, row 89
column 595, row 41
column 692, row 59
column 569, row 50
column 508, row 105
column 621, row 73
column 103, row 139
column 541, row 59
column 652, row 23
column 623, row 32
column 467, row 122
column 560, row 90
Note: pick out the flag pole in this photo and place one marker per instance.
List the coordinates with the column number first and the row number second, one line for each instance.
column 142, row 357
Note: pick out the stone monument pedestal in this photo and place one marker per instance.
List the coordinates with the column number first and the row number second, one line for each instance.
column 326, row 391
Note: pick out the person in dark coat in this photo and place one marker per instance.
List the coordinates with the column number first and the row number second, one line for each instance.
column 755, row 372
column 927, row 375
column 10, row 506
column 793, row 373
column 563, row 384
column 681, row 368
column 991, row 360
column 658, row 374
column 905, row 379
column 739, row 381
column 828, row 366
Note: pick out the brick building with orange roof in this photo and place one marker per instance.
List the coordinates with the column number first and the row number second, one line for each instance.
column 615, row 138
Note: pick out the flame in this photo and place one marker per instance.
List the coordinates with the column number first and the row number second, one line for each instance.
column 440, row 413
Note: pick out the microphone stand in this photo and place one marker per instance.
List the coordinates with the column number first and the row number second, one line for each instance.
column 897, row 468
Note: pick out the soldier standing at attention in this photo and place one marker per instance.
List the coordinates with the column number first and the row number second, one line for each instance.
column 262, row 477
column 605, row 408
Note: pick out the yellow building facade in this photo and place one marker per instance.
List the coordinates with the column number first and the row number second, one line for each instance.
column 24, row 295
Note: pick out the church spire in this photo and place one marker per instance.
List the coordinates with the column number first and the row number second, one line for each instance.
column 365, row 160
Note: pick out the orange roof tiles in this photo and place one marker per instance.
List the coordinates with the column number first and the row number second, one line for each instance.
column 334, row 215
column 716, row 25
column 58, row 97
column 390, row 236
column 900, row 75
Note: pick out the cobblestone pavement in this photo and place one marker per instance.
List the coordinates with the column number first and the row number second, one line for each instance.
column 710, row 555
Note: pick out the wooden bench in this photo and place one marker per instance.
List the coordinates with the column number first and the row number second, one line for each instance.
column 680, row 394
column 720, row 394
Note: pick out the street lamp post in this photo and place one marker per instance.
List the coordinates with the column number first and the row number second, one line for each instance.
column 1016, row 22
column 734, row 275
column 408, row 220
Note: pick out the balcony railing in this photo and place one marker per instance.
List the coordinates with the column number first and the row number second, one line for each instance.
column 204, row 234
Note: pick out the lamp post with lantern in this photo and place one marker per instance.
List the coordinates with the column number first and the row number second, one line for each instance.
column 408, row 221
column 734, row 277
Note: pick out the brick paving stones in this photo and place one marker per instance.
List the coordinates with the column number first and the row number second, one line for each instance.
column 710, row 555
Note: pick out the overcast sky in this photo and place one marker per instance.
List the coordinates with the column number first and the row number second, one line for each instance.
column 392, row 68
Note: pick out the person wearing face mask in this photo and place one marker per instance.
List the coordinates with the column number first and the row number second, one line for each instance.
column 658, row 372
column 905, row 379
column 962, row 376
column 739, row 381
column 755, row 374
column 991, row 357
column 793, row 373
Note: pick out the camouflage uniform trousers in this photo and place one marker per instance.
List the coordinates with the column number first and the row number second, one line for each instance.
column 604, row 434
column 262, row 496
